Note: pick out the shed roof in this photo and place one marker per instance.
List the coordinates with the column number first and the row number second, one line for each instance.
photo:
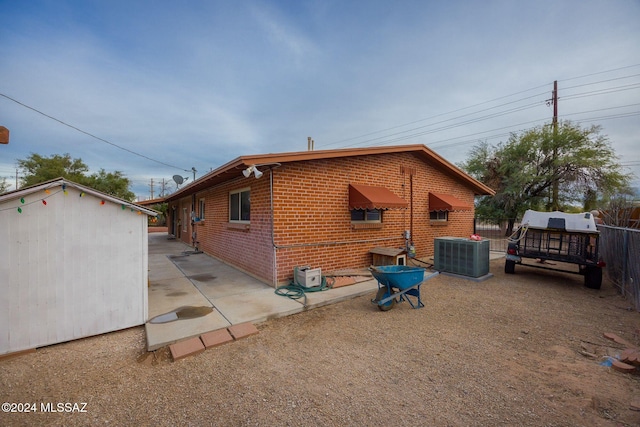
column 234, row 168
column 64, row 183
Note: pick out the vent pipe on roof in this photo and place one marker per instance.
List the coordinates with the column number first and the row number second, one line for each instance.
column 309, row 144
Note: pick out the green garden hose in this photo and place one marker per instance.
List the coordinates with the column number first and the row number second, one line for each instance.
column 295, row 291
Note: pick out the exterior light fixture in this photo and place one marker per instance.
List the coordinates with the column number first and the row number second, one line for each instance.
column 253, row 169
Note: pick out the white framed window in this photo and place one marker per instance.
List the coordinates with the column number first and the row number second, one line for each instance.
column 439, row 215
column 240, row 205
column 201, row 210
column 366, row 215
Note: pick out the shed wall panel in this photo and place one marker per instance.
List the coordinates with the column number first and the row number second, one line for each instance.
column 69, row 269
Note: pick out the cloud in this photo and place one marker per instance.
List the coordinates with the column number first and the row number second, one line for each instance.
column 283, row 34
column 201, row 85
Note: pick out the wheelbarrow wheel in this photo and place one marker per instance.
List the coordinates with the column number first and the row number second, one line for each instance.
column 383, row 293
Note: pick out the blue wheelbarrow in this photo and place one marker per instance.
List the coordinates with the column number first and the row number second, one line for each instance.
column 397, row 283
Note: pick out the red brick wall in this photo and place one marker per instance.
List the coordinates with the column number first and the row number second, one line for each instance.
column 247, row 247
column 312, row 218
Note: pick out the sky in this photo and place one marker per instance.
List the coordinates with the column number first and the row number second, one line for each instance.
column 155, row 88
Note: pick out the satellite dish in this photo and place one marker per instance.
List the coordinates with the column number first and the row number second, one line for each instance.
column 178, row 179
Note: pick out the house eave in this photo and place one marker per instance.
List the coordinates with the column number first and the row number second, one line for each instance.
column 234, row 168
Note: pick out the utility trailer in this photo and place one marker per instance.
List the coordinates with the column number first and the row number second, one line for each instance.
column 561, row 237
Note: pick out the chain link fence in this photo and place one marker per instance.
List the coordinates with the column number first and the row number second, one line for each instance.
column 620, row 249
column 496, row 231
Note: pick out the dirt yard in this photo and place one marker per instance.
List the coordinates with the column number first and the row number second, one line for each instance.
column 513, row 350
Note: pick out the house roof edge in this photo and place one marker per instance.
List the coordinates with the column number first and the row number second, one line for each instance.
column 234, row 167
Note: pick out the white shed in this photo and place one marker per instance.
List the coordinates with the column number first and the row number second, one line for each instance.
column 73, row 263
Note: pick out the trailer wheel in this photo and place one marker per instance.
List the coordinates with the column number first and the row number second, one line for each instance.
column 383, row 292
column 509, row 266
column 593, row 277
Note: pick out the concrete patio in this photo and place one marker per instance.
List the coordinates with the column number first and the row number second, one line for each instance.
column 180, row 278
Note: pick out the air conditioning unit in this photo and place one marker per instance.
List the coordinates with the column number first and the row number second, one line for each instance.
column 461, row 256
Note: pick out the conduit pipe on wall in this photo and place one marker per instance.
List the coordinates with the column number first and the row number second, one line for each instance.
column 258, row 174
column 273, row 238
column 411, row 211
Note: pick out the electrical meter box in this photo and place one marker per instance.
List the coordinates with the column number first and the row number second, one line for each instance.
column 307, row 277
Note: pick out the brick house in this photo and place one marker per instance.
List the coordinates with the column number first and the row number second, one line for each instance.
column 266, row 214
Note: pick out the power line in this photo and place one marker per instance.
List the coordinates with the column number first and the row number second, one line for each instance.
column 397, row 137
column 444, row 114
column 385, row 138
column 475, row 136
column 388, row 138
column 455, row 125
column 601, row 72
column 448, row 127
column 601, row 81
column 92, row 135
column 603, row 109
column 603, row 91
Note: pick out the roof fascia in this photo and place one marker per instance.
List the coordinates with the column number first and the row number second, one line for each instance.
column 243, row 162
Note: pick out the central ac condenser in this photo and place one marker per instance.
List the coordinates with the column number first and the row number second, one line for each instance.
column 461, row 256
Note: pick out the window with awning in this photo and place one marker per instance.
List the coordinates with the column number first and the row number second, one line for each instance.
column 370, row 197
column 447, row 202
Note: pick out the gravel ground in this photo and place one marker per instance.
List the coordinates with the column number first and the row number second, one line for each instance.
column 506, row 351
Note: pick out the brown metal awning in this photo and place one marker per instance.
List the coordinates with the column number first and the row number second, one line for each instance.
column 369, row 197
column 446, row 202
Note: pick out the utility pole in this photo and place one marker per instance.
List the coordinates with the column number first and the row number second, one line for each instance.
column 151, row 185
column 16, row 178
column 554, row 101
column 163, row 188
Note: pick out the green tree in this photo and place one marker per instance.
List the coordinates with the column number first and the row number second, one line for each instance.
column 525, row 169
column 162, row 218
column 114, row 183
column 4, row 186
column 36, row 169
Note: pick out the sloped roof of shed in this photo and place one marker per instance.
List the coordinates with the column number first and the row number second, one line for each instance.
column 62, row 182
column 234, row 168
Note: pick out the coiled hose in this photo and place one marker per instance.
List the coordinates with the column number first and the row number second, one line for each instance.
column 295, row 291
